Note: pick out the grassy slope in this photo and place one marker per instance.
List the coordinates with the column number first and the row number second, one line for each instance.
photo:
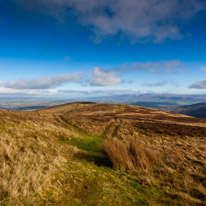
column 68, row 141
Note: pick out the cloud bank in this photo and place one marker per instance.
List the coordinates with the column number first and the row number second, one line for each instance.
column 156, row 84
column 43, row 83
column 170, row 67
column 68, row 93
column 161, row 84
column 140, row 21
column 99, row 77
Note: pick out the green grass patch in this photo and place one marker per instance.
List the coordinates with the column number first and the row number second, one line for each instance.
column 90, row 149
column 91, row 145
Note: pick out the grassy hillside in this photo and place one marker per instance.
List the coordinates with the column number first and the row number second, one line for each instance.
column 101, row 154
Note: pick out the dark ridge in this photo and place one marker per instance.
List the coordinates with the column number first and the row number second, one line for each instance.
column 70, row 103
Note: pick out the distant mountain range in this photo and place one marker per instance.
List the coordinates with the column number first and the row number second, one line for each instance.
column 155, row 98
column 157, row 105
column 192, row 105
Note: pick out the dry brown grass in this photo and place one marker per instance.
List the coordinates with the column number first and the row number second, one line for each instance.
column 162, row 149
column 29, row 157
column 161, row 168
column 131, row 155
column 26, row 166
column 124, row 121
column 179, row 140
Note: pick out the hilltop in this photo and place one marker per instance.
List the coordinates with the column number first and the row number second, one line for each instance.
column 87, row 153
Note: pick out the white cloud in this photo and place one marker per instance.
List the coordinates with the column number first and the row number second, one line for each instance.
column 148, row 20
column 102, row 77
column 43, row 83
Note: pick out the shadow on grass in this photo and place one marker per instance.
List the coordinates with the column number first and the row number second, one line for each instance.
column 98, row 160
column 90, row 149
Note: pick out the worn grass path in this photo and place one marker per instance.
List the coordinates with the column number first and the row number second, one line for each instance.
column 88, row 179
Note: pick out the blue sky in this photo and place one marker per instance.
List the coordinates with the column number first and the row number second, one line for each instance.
column 102, row 47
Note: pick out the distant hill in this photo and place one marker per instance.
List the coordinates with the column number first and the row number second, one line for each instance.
column 157, row 105
column 87, row 153
column 195, row 110
column 163, row 98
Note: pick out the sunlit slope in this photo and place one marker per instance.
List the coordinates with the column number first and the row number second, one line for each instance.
column 106, row 118
column 101, row 154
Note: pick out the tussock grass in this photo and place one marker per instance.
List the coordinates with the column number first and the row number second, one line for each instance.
column 131, row 155
column 158, row 168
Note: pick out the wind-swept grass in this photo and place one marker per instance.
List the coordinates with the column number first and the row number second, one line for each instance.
column 29, row 157
column 131, row 155
column 158, row 168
